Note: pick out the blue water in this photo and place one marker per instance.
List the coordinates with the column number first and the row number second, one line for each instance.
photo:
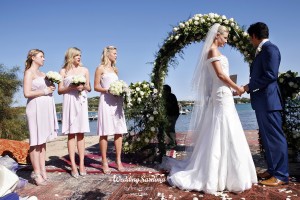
column 246, row 114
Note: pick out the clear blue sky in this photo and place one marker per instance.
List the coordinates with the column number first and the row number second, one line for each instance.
column 137, row 28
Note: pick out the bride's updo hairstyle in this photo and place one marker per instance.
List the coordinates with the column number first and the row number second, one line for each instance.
column 222, row 30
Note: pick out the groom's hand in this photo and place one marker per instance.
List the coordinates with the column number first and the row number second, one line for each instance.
column 239, row 91
column 246, row 88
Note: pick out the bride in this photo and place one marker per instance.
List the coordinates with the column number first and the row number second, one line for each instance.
column 219, row 158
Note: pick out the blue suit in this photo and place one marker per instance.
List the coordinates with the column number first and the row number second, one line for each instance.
column 267, row 103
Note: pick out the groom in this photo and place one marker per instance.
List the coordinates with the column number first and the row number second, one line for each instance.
column 266, row 101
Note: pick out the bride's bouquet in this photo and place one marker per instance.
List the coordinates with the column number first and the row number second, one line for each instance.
column 54, row 77
column 78, row 80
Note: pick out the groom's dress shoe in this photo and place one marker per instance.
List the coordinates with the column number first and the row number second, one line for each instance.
column 264, row 175
column 273, row 182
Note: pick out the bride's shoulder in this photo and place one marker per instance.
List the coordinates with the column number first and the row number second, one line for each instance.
column 213, row 52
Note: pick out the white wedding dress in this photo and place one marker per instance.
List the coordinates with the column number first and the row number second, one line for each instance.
column 221, row 158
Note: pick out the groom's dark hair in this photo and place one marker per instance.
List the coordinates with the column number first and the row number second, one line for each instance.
column 259, row 29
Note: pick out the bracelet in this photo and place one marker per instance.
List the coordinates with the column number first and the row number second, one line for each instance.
column 46, row 91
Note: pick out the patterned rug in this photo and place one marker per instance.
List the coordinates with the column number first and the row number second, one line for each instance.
column 93, row 165
column 17, row 150
column 151, row 187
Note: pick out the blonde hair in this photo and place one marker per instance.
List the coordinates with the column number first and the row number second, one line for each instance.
column 105, row 60
column 31, row 53
column 222, row 30
column 69, row 57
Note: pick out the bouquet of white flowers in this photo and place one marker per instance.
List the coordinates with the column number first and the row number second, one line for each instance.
column 54, row 77
column 118, row 88
column 78, row 80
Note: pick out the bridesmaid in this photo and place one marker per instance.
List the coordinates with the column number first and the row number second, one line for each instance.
column 75, row 120
column 40, row 113
column 111, row 120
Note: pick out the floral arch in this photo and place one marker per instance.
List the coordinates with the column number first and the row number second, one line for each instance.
column 187, row 32
column 194, row 30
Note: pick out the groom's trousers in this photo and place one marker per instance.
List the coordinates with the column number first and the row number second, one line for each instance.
column 274, row 143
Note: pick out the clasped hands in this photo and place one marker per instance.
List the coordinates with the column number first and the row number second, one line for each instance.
column 241, row 90
column 79, row 87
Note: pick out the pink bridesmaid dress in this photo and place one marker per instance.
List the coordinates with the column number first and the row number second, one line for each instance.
column 75, row 110
column 111, row 118
column 41, row 115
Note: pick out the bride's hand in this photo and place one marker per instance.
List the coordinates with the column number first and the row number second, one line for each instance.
column 240, row 90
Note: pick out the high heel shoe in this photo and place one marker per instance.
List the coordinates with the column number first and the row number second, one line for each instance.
column 120, row 167
column 107, row 170
column 83, row 173
column 75, row 175
column 37, row 179
column 44, row 175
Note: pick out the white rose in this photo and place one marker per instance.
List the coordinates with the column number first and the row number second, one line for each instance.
column 291, row 84
column 211, row 15
column 196, row 18
column 152, row 129
column 155, row 112
column 151, row 118
column 196, row 22
column 176, row 37
column 181, row 25
column 147, row 140
column 231, row 20
column 224, row 17
column 175, row 29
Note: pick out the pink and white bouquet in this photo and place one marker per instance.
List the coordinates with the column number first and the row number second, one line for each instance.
column 54, row 77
